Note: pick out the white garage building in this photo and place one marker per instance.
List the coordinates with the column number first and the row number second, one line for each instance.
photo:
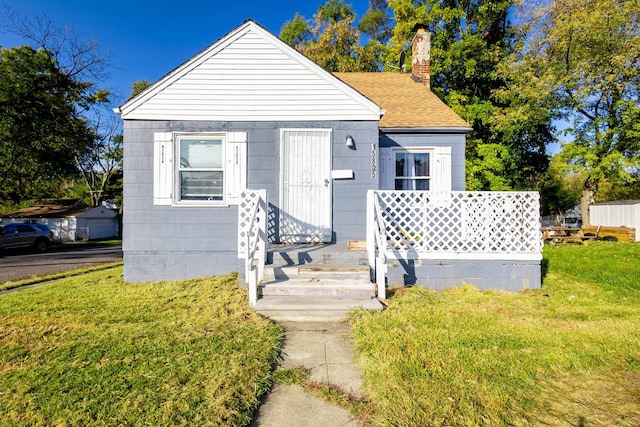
column 621, row 213
column 71, row 222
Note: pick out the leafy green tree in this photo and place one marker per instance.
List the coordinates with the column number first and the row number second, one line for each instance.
column 587, row 53
column 102, row 160
column 50, row 125
column 331, row 40
column 296, row 32
column 377, row 23
column 474, row 45
column 138, row 87
column 557, row 192
column 616, row 190
column 40, row 130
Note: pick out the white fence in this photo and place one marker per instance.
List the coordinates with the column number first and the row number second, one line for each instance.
column 476, row 225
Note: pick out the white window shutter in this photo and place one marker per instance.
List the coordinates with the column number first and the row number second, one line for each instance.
column 387, row 169
column 442, row 170
column 163, row 168
column 236, row 170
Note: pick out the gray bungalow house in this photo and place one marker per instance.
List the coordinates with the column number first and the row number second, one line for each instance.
column 251, row 113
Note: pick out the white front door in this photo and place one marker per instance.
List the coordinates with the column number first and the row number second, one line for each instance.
column 305, row 185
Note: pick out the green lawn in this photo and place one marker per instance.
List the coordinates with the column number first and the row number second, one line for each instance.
column 91, row 350
column 567, row 354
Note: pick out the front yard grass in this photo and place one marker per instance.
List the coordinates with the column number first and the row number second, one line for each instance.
column 567, row 354
column 91, row 350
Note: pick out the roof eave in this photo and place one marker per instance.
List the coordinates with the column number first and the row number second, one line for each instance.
column 429, row 129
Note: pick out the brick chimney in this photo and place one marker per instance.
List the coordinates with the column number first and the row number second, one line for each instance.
column 421, row 55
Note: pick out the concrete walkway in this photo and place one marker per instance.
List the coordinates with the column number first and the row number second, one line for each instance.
column 326, row 350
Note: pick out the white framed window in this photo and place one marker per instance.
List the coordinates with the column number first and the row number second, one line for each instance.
column 415, row 168
column 201, row 174
column 209, row 168
column 412, row 170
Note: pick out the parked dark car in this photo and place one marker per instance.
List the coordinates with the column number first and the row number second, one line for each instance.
column 571, row 222
column 36, row 236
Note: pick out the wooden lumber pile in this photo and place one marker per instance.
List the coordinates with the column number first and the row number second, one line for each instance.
column 623, row 234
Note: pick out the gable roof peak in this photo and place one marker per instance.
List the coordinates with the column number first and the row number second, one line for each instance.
column 252, row 52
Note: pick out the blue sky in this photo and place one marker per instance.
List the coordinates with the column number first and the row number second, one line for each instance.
column 147, row 39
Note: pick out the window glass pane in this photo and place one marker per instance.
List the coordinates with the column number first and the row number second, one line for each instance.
column 421, row 163
column 201, row 185
column 403, row 184
column 201, row 153
column 401, row 164
column 422, row 184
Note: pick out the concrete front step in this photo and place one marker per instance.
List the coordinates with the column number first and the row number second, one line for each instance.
column 316, row 291
column 313, row 309
column 326, row 288
column 280, row 255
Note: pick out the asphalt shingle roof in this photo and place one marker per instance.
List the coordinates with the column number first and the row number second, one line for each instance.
column 408, row 104
column 49, row 211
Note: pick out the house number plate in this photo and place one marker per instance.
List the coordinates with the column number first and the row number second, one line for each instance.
column 374, row 161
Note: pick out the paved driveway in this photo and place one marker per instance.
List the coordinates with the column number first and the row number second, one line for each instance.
column 16, row 264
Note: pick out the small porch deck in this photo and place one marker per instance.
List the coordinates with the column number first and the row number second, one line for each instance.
column 488, row 239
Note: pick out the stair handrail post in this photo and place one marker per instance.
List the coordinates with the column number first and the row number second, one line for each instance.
column 381, row 275
column 252, row 282
column 262, row 233
column 381, row 259
column 376, row 238
column 370, row 236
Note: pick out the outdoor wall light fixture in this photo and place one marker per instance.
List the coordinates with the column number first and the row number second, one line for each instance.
column 350, row 142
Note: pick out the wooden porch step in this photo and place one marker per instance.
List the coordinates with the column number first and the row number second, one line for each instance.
column 313, row 309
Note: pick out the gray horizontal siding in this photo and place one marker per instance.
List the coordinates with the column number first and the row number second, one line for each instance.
column 167, row 243
column 457, row 142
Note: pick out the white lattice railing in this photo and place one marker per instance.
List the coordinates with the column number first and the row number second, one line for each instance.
column 252, row 238
column 481, row 224
column 460, row 224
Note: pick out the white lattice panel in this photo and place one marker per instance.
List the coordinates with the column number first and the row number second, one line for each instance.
column 248, row 225
column 420, row 222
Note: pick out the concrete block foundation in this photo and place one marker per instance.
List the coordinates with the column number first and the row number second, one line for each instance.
column 508, row 275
